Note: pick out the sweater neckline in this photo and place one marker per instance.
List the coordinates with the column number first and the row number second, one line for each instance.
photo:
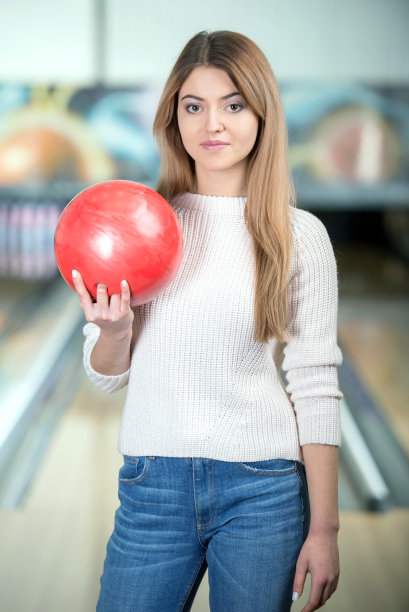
column 215, row 205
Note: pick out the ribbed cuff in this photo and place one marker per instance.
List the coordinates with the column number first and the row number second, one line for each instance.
column 108, row 384
column 318, row 420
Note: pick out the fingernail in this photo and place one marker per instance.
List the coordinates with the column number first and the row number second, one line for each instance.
column 295, row 596
column 74, row 273
column 124, row 283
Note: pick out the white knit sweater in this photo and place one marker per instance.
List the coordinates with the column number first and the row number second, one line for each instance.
column 198, row 384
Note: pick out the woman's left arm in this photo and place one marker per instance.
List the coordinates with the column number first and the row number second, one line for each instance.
column 319, row 555
column 310, row 361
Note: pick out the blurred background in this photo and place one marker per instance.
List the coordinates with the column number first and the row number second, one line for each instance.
column 79, row 85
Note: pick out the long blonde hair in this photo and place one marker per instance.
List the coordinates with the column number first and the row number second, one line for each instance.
column 270, row 188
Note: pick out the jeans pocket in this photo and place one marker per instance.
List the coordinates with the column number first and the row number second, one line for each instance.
column 269, row 467
column 134, row 470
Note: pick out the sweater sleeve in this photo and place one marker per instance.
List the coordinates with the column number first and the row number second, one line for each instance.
column 312, row 355
column 109, row 384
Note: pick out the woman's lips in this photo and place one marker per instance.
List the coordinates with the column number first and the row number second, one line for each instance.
column 214, row 146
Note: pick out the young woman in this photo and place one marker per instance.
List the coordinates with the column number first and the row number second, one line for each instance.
column 214, row 441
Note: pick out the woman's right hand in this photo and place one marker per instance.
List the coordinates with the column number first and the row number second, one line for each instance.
column 113, row 315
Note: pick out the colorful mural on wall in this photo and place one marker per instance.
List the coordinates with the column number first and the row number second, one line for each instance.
column 348, row 150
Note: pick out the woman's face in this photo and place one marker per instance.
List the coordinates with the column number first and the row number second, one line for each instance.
column 212, row 111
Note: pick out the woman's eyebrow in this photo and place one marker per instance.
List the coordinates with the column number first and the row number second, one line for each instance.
column 235, row 93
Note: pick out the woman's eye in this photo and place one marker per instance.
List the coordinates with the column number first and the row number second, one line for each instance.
column 192, row 108
column 235, row 106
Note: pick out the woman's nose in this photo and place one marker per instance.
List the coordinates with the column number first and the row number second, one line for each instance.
column 214, row 121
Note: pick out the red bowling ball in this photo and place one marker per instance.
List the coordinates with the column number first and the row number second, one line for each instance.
column 120, row 230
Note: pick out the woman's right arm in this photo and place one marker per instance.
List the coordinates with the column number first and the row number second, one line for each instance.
column 113, row 316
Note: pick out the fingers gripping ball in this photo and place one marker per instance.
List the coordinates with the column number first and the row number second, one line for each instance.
column 119, row 230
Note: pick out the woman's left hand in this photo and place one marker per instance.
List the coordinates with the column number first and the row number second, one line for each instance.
column 319, row 556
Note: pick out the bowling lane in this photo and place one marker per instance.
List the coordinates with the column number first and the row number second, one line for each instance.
column 374, row 327
column 70, row 501
column 37, row 372
column 375, row 343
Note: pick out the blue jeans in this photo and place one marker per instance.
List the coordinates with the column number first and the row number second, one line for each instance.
column 178, row 516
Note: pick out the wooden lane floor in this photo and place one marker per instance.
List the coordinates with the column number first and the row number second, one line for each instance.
column 53, row 547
